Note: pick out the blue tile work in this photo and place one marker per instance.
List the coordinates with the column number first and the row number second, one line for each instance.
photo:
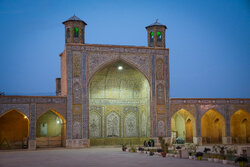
column 198, row 120
column 153, row 97
column 168, row 118
column 32, row 135
column 153, row 75
column 84, row 96
column 69, row 96
column 227, row 117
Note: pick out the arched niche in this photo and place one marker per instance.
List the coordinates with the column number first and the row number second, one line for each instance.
column 183, row 125
column 14, row 129
column 50, row 130
column 240, row 127
column 121, row 88
column 212, row 127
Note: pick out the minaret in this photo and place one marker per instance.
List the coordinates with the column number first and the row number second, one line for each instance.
column 156, row 34
column 74, row 30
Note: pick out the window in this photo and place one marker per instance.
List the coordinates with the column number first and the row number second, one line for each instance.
column 76, row 32
column 151, row 37
column 159, row 37
column 68, row 33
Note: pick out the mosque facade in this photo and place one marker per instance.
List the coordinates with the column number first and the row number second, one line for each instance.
column 112, row 95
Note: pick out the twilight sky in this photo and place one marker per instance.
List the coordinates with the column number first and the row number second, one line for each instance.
column 209, row 41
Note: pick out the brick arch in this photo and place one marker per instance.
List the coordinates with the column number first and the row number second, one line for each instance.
column 239, row 131
column 52, row 110
column 22, row 108
column 218, row 108
column 175, row 108
column 213, row 126
column 14, row 126
column 235, row 109
column 189, row 116
column 15, row 110
column 216, row 111
column 40, row 110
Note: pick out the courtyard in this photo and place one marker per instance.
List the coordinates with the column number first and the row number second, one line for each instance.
column 93, row 157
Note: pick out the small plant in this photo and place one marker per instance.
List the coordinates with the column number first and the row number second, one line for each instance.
column 124, row 147
column 179, row 140
column 133, row 149
column 191, row 148
column 222, row 149
column 241, row 160
column 140, row 148
column 206, row 150
column 178, row 147
column 164, row 146
column 231, row 151
column 151, row 153
column 159, row 150
column 199, row 155
column 214, row 149
column 190, row 153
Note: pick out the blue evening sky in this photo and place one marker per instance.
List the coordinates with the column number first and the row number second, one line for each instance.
column 209, row 41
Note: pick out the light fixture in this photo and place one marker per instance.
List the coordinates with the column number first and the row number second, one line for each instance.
column 57, row 122
column 120, row 67
column 25, row 117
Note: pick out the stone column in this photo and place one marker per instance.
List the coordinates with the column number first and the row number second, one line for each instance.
column 32, row 127
column 227, row 139
column 198, row 139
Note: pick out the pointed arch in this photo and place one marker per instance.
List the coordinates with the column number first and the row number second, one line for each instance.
column 95, row 125
column 240, row 127
column 14, row 127
column 112, row 125
column 183, row 124
column 115, row 60
column 212, row 126
column 131, row 125
column 50, row 129
column 120, row 88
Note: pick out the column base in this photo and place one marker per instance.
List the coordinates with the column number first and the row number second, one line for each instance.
column 77, row 143
column 197, row 141
column 227, row 140
column 32, row 145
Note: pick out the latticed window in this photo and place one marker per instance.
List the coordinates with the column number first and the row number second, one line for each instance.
column 76, row 32
column 159, row 37
column 151, row 37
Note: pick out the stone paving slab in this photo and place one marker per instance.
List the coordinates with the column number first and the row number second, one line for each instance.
column 93, row 157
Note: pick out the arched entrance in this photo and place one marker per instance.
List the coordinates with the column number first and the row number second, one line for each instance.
column 119, row 106
column 14, row 130
column 50, row 130
column 212, row 127
column 240, row 127
column 183, row 126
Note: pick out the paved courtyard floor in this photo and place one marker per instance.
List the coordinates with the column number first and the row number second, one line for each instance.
column 93, row 157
